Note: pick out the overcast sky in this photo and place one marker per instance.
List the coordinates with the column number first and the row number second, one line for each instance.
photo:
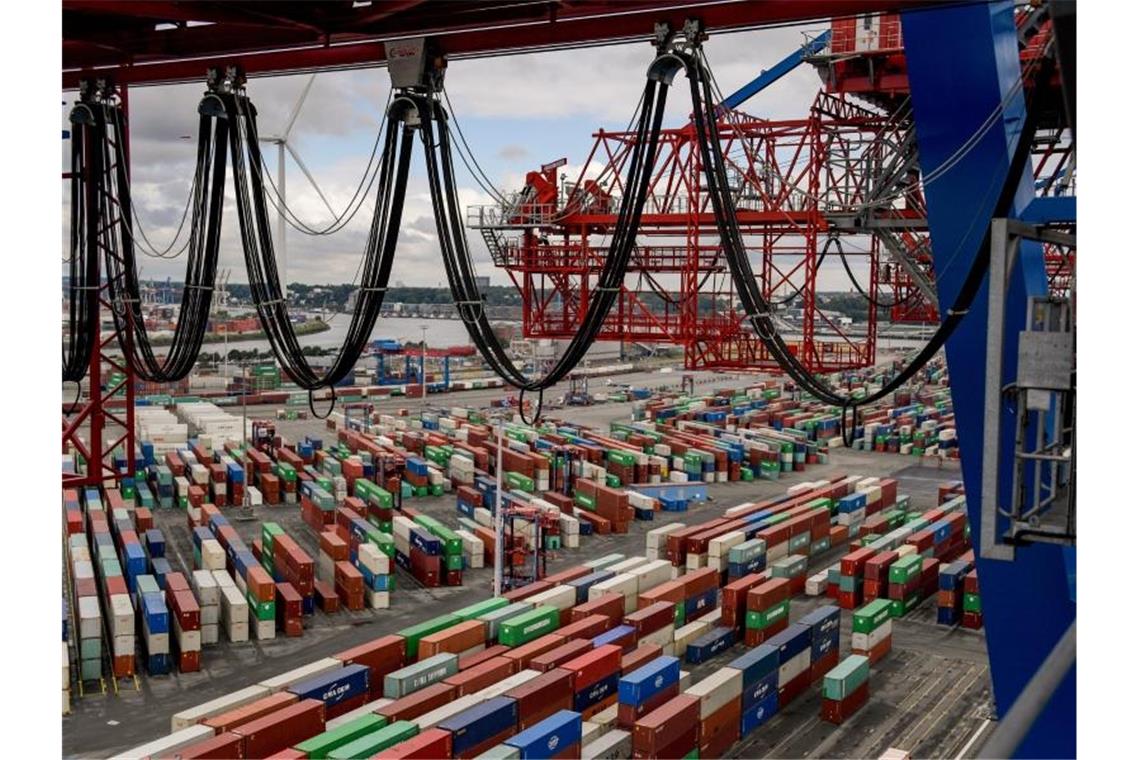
column 517, row 112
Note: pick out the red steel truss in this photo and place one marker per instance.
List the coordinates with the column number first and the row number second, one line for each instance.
column 792, row 180
column 105, row 421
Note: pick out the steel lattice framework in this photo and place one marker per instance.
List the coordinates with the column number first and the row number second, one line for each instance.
column 796, row 182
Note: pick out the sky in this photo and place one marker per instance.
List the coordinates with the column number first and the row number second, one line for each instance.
column 516, row 112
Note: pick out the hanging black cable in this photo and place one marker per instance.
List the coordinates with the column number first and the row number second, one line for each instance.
column 855, row 281
column 83, row 264
column 456, row 253
column 124, row 291
column 257, row 242
column 754, row 303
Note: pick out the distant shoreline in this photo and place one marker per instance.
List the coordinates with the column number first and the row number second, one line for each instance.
column 313, row 327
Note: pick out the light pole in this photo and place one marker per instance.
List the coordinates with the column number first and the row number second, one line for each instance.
column 499, row 510
column 423, row 365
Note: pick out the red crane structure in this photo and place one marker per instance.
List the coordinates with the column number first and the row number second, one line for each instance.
column 844, row 178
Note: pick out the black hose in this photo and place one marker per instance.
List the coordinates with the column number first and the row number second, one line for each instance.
column 257, row 243
column 855, row 281
column 83, row 262
column 207, row 198
column 758, row 309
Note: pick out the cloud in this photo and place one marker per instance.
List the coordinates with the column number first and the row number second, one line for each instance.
column 575, row 91
column 513, row 152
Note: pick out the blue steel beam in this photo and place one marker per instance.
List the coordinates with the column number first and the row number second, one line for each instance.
column 961, row 62
column 777, row 72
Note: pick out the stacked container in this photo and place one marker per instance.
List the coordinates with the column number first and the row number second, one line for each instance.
column 206, row 589
column 719, row 696
column 871, row 630
column 845, row 689
column 767, row 611
column 971, row 601
column 234, row 613
column 647, row 688
column 186, row 623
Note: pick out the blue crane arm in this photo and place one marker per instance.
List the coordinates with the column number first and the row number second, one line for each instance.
column 774, row 74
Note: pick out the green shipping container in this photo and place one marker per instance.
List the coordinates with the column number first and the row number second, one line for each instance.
column 262, row 610
column 322, row 744
column 453, row 561
column 413, row 634
column 870, row 616
column 760, row 620
column 377, row 741
column 906, row 568
column 528, row 626
column 846, row 677
column 971, row 603
column 473, row 611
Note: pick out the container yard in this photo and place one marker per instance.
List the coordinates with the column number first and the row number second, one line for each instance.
column 726, row 425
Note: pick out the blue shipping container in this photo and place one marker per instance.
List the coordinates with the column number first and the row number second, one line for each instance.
column 612, row 635
column 757, row 663
column 596, row 692
column 649, row 680
column 759, row 714
column 823, row 622
column 477, row 724
column 548, row 737
column 700, row 604
column 760, row 690
column 710, row 644
column 335, row 686
column 790, row 641
column 582, row 585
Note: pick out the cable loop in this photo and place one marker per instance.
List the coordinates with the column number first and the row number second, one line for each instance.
column 332, row 404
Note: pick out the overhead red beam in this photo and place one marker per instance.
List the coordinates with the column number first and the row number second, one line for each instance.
column 627, row 22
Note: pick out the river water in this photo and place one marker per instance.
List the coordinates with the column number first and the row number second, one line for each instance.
column 441, row 333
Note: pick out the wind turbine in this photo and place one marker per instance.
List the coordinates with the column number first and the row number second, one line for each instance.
column 283, row 144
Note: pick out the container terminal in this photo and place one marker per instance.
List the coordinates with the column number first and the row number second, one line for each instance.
column 762, row 410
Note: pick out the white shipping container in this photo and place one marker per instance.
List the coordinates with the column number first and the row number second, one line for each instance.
column 157, row 643
column 652, row 573
column 193, row 715
column 627, row 565
column 166, row 746
column 429, row 720
column 209, row 633
column 719, row 546
column 590, row 732
column 223, row 579
column 213, row 555
column 607, row 718
column 123, row 645
column 377, row 600
column 205, row 588
column 777, row 551
column 90, row 621
column 122, row 614
column 612, row 744
column 662, row 637
column 623, row 584
column 506, row 684
column 359, row 712
column 795, row 666
column 237, row 630
column 689, row 632
column 696, row 561
column 373, row 559
column 188, row 641
column 717, row 690
column 560, row 597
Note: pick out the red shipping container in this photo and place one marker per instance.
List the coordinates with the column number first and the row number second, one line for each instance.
column 652, row 618
column 327, row 599
column 478, row 658
column 587, row 628
column 820, row 667
column 116, row 584
column 260, row 584
column 593, row 666
column 381, row 656
column 734, row 599
column 877, row 652
column 720, row 730
column 543, row 696
column 176, row 581
column 432, row 744
column 418, row 703
column 560, row 654
column 184, row 608
column 283, row 728
column 455, row 640
column 227, row 746
column 852, row 564
column 481, row 676
column 627, row 715
column 757, row 636
column 671, row 591
column 479, row 749
column 288, row 602
column 876, row 568
column 642, row 655
column 609, row 604
column 678, row 720
column 768, row 594
column 795, row 687
column 839, row 710
column 190, row 661
column 238, row 716
column 522, row 655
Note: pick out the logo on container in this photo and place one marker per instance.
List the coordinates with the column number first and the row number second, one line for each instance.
column 659, row 682
column 552, row 743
